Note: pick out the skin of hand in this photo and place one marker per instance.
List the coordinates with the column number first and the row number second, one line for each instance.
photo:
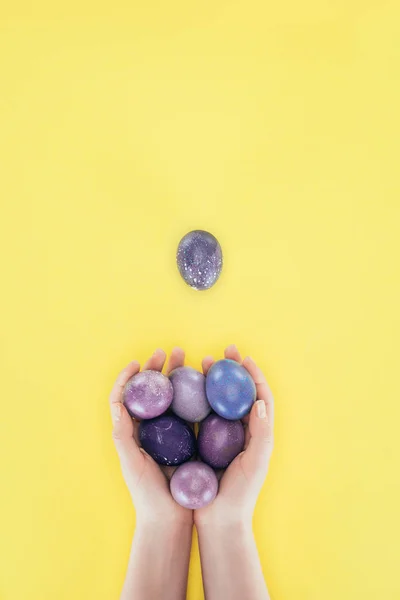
column 163, row 533
column 242, row 481
column 229, row 558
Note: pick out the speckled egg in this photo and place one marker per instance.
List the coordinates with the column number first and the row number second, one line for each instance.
column 190, row 400
column 148, row 394
column 230, row 389
column 194, row 485
column 168, row 439
column 220, row 441
column 199, row 259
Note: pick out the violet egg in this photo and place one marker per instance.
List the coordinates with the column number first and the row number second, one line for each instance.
column 194, row 485
column 220, row 441
column 199, row 259
column 148, row 394
column 168, row 439
column 230, row 389
column 190, row 400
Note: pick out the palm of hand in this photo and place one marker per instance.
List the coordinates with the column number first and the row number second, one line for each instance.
column 148, row 483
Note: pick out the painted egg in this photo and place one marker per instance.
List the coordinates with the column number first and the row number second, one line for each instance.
column 230, row 389
column 190, row 400
column 194, row 485
column 199, row 259
column 148, row 394
column 168, row 439
column 220, row 441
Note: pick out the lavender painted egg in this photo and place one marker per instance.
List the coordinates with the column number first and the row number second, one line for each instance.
column 230, row 389
column 148, row 394
column 199, row 259
column 168, row 439
column 190, row 400
column 219, row 441
column 194, row 485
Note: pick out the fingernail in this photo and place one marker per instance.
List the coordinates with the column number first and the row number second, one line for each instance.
column 116, row 412
column 261, row 409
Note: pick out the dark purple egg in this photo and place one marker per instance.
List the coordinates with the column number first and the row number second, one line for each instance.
column 219, row 441
column 199, row 259
column 190, row 400
column 230, row 389
column 168, row 439
column 148, row 394
column 194, row 485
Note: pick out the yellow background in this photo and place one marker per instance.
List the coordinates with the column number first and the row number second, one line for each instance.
column 276, row 126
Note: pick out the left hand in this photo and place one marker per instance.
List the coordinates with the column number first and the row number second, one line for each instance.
column 147, row 483
column 243, row 479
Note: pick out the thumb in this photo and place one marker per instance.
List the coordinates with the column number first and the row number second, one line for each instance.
column 258, row 453
column 127, row 448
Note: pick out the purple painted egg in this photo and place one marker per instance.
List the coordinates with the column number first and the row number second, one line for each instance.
column 220, row 441
column 230, row 389
column 148, row 394
column 194, row 485
column 190, row 400
column 168, row 439
column 199, row 259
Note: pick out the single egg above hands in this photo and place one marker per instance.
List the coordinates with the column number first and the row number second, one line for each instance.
column 194, row 485
column 167, row 439
column 220, row 441
column 199, row 259
column 190, row 400
column 147, row 394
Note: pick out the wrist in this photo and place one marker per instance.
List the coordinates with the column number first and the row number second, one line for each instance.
column 162, row 527
column 226, row 527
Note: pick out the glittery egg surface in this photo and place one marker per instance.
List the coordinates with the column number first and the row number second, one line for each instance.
column 168, row 439
column 230, row 389
column 148, row 394
column 199, row 259
column 220, row 441
column 194, row 485
column 190, row 400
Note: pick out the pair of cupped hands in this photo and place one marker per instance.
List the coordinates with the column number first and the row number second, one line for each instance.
column 148, row 483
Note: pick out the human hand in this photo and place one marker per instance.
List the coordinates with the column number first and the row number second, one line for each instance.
column 147, row 482
column 243, row 479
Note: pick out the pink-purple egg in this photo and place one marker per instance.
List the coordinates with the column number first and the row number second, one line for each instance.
column 148, row 394
column 194, row 485
column 220, row 441
column 190, row 400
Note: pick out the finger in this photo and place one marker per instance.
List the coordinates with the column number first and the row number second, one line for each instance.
column 118, row 389
column 206, row 363
column 233, row 353
column 125, row 444
column 156, row 361
column 177, row 359
column 262, row 387
column 256, row 458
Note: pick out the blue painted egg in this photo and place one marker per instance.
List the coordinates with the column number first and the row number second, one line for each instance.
column 230, row 389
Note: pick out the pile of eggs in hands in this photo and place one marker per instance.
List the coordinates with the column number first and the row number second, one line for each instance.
column 167, row 408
